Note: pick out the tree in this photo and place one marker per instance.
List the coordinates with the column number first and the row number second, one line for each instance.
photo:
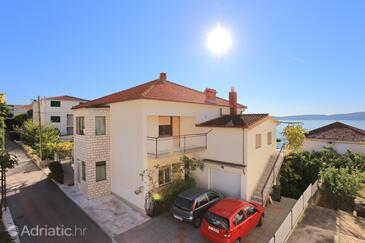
column 7, row 161
column 187, row 165
column 295, row 135
column 5, row 112
column 341, row 183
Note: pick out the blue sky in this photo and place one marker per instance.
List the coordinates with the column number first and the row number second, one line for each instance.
column 287, row 57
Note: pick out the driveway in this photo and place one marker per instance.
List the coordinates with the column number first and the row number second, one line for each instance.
column 326, row 225
column 41, row 210
column 166, row 229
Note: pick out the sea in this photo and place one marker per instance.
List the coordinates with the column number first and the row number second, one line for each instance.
column 313, row 124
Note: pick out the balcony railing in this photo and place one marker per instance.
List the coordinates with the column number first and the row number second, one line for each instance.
column 158, row 147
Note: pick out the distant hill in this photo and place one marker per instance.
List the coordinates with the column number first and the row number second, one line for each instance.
column 349, row 116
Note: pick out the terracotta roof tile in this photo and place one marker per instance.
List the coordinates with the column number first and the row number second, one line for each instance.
column 338, row 131
column 244, row 120
column 23, row 107
column 156, row 90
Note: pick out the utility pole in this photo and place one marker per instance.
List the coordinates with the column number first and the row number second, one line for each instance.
column 40, row 128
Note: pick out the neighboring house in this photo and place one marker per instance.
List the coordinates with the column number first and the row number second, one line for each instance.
column 20, row 109
column 120, row 135
column 57, row 111
column 339, row 136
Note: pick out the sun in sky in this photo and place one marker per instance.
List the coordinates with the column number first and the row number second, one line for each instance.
column 219, row 40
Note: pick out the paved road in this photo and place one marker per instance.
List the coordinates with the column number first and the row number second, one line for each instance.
column 326, row 225
column 35, row 201
column 165, row 229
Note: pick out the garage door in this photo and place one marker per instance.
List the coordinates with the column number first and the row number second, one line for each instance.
column 225, row 182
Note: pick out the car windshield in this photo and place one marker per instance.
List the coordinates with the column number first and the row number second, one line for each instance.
column 183, row 203
column 217, row 221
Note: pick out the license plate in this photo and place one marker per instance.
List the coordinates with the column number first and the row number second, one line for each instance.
column 213, row 229
column 177, row 217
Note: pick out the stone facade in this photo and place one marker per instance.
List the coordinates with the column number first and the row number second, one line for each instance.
column 90, row 148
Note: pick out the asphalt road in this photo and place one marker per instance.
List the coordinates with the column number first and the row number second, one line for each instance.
column 41, row 211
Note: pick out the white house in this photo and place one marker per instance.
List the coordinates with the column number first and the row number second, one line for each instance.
column 341, row 137
column 120, row 135
column 56, row 111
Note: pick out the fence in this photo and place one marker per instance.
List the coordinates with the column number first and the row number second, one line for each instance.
column 291, row 220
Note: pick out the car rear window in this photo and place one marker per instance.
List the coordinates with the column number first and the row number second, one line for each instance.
column 217, row 221
column 183, row 203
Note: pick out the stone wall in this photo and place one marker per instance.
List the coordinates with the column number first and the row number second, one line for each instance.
column 90, row 149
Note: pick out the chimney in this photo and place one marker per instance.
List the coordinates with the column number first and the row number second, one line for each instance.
column 233, row 101
column 163, row 76
column 210, row 95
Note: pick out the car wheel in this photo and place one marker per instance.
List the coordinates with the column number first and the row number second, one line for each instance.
column 237, row 240
column 197, row 222
column 261, row 221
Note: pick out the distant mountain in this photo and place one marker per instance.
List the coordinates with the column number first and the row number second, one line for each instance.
column 349, row 116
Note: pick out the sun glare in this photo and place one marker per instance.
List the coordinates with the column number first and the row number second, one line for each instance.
column 219, row 40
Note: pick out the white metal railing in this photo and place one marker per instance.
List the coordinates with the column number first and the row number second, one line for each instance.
column 283, row 232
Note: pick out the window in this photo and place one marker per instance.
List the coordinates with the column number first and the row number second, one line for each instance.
column 55, row 103
column 258, row 141
column 238, row 218
column 164, row 175
column 101, row 171
column 269, row 138
column 202, row 200
column 83, row 171
column 216, row 220
column 80, row 125
column 55, row 119
column 165, row 126
column 100, row 125
column 250, row 211
column 212, row 196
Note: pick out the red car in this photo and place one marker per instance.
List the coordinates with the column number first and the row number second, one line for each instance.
column 230, row 220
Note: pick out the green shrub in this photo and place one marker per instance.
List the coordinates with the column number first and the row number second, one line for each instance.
column 342, row 183
column 29, row 134
column 56, row 171
column 166, row 197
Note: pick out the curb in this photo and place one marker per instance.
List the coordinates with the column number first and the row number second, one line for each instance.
column 9, row 225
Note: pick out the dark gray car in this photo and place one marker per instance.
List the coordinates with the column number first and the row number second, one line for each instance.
column 191, row 205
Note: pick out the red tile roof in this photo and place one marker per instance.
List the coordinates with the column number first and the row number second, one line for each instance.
column 66, row 97
column 156, row 90
column 23, row 107
column 244, row 121
column 338, row 131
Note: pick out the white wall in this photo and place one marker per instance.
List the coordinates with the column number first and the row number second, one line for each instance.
column 224, row 144
column 340, row 147
column 257, row 159
column 128, row 150
column 47, row 111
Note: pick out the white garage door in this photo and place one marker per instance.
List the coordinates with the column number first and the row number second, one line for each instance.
column 225, row 182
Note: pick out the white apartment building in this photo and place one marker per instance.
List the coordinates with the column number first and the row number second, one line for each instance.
column 56, row 111
column 120, row 135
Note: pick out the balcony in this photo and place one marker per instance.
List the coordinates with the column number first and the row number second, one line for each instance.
column 158, row 147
